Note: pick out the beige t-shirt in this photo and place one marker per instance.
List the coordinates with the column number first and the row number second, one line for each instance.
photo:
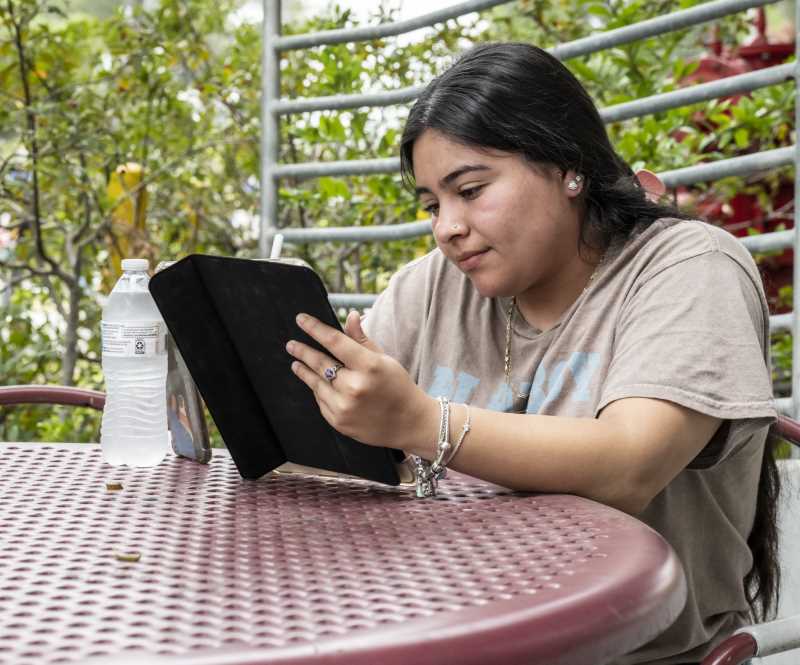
column 676, row 313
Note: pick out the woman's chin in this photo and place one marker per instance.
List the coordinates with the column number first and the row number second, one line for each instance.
column 489, row 289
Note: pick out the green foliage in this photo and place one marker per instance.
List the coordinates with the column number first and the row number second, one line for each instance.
column 176, row 89
column 782, row 350
column 361, row 133
column 670, row 139
column 82, row 96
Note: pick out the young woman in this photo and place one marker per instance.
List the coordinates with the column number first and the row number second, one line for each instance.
column 601, row 343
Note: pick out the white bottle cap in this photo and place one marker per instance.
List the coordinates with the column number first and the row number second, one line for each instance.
column 137, row 265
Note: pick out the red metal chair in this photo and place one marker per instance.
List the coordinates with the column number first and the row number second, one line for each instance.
column 750, row 642
column 773, row 637
column 12, row 395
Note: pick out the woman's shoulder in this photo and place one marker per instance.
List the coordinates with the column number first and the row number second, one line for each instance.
column 428, row 270
column 670, row 241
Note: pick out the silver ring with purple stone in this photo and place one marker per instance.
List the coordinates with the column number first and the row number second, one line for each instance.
column 330, row 372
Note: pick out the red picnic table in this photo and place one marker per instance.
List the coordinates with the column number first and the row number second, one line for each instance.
column 190, row 564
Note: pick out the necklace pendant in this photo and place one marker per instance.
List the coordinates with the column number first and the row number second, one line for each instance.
column 519, row 403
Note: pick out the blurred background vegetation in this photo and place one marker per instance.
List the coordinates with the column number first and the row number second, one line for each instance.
column 133, row 129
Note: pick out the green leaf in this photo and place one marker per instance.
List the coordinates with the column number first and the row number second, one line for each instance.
column 598, row 10
column 742, row 137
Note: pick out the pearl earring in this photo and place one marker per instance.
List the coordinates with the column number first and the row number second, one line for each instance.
column 572, row 185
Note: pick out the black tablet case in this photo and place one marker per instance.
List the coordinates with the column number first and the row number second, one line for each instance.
column 230, row 319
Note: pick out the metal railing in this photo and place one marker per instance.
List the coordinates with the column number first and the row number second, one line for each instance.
column 273, row 107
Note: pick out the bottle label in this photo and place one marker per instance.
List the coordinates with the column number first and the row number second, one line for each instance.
column 141, row 339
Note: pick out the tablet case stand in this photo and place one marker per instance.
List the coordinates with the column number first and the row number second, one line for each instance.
column 230, row 319
column 186, row 419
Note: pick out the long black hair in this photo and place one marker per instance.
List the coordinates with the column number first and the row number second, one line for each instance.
column 519, row 99
column 762, row 583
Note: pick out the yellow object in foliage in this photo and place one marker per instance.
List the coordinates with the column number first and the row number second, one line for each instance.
column 127, row 196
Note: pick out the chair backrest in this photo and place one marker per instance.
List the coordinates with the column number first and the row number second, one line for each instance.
column 12, row 395
column 788, row 522
column 789, row 529
column 789, row 526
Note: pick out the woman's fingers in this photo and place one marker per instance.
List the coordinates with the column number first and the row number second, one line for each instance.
column 308, row 376
column 339, row 345
column 316, row 360
column 337, row 406
column 322, row 390
column 352, row 327
column 310, row 366
column 361, row 401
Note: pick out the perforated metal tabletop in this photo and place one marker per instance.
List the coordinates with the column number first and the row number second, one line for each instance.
column 294, row 569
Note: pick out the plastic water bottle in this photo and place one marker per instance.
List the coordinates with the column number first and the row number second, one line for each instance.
column 134, row 427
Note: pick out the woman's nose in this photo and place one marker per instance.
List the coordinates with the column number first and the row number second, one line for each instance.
column 448, row 226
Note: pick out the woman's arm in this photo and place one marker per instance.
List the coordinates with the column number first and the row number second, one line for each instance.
column 623, row 458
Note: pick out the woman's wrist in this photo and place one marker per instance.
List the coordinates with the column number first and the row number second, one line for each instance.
column 430, row 469
column 420, row 437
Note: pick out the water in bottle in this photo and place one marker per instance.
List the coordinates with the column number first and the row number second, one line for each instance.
column 134, row 427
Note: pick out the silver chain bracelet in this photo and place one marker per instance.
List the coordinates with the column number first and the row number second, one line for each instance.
column 428, row 474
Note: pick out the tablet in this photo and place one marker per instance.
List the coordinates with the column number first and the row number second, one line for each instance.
column 231, row 319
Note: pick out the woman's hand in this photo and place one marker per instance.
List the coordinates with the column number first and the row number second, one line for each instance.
column 372, row 398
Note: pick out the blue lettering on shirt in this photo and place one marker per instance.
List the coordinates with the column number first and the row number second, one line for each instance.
column 457, row 389
column 546, row 387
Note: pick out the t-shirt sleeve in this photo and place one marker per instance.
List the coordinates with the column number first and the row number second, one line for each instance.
column 397, row 319
column 694, row 334
column 378, row 322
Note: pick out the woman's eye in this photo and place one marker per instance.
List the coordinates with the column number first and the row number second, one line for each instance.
column 471, row 192
column 432, row 209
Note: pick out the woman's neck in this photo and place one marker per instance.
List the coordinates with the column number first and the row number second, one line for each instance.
column 543, row 304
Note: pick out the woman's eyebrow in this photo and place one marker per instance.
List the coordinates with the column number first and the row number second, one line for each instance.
column 444, row 182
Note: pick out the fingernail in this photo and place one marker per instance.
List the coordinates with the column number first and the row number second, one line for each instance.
column 302, row 319
column 290, row 346
column 295, row 365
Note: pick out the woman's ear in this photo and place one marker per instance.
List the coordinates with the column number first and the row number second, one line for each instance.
column 572, row 183
column 651, row 184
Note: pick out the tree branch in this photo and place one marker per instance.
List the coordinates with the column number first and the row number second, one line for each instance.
column 10, row 284
column 55, row 296
column 147, row 117
column 87, row 210
column 14, row 265
column 31, row 121
column 301, row 211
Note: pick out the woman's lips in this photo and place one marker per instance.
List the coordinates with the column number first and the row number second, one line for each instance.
column 471, row 261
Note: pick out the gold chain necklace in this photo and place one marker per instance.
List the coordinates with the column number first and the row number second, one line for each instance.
column 510, row 316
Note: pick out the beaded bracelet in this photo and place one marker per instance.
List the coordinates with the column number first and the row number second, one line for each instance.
column 464, row 430
column 428, row 474
column 426, row 478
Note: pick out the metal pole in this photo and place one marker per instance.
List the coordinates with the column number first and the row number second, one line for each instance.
column 743, row 165
column 645, row 106
column 402, row 231
column 765, row 160
column 344, row 167
column 730, row 85
column 795, row 281
column 702, row 13
column 769, row 242
column 270, row 124
column 779, row 322
column 390, row 29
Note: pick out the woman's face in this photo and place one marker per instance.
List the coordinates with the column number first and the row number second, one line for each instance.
column 508, row 226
